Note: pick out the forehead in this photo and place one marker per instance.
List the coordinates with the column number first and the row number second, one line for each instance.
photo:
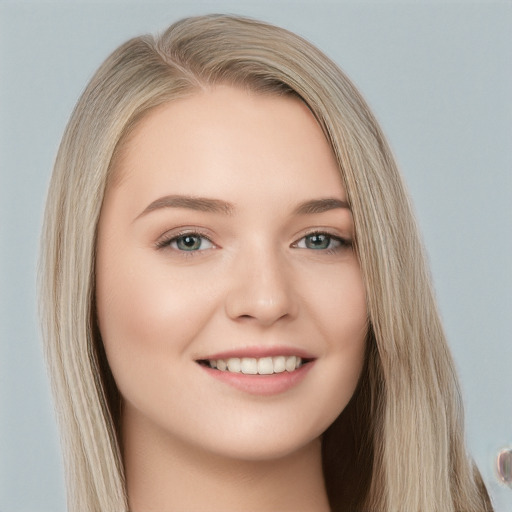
column 228, row 135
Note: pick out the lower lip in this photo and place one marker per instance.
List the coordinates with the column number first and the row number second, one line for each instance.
column 263, row 385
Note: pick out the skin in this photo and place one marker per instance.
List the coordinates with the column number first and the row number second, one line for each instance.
column 190, row 441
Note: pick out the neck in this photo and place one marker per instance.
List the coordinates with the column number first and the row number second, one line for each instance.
column 166, row 475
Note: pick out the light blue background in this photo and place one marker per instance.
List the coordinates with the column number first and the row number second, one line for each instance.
column 438, row 76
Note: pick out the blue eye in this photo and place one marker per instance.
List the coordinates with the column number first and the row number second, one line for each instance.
column 322, row 242
column 317, row 241
column 187, row 242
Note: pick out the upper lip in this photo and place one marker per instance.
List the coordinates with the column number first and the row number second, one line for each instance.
column 258, row 352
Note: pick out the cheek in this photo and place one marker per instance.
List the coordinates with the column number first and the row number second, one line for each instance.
column 348, row 319
column 145, row 317
column 342, row 320
column 339, row 307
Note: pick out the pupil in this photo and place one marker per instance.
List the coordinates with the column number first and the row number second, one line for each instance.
column 318, row 241
column 189, row 242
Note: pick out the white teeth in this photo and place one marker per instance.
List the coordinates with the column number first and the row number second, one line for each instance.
column 234, row 364
column 249, row 366
column 290, row 363
column 265, row 366
column 279, row 364
column 261, row 366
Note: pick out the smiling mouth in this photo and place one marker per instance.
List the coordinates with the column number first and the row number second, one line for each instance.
column 256, row 366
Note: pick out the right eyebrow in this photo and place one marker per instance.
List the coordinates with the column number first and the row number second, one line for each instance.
column 202, row 204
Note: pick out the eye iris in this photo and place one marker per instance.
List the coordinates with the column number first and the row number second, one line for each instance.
column 318, row 241
column 188, row 243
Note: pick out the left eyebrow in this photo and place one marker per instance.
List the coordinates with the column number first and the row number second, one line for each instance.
column 202, row 204
column 320, row 206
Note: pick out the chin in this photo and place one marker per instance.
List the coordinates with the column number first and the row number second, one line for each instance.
column 265, row 437
column 272, row 449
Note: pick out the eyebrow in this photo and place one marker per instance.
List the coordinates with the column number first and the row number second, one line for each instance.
column 201, row 204
column 205, row 204
column 320, row 206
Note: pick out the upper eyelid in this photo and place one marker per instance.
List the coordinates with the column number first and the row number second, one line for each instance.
column 324, row 232
column 186, row 230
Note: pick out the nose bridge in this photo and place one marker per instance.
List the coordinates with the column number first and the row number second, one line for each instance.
column 260, row 285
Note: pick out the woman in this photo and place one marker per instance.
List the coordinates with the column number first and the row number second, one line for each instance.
column 235, row 299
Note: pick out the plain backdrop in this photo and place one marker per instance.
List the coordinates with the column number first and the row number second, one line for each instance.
column 438, row 76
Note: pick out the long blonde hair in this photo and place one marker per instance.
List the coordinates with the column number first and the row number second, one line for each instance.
column 399, row 444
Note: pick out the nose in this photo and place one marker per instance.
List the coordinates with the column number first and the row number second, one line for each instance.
column 261, row 288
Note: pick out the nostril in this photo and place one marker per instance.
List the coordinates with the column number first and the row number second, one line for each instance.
column 245, row 316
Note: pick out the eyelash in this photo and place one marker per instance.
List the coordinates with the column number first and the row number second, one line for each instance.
column 167, row 241
column 344, row 243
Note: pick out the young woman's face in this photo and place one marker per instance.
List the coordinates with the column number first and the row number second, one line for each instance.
column 227, row 240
